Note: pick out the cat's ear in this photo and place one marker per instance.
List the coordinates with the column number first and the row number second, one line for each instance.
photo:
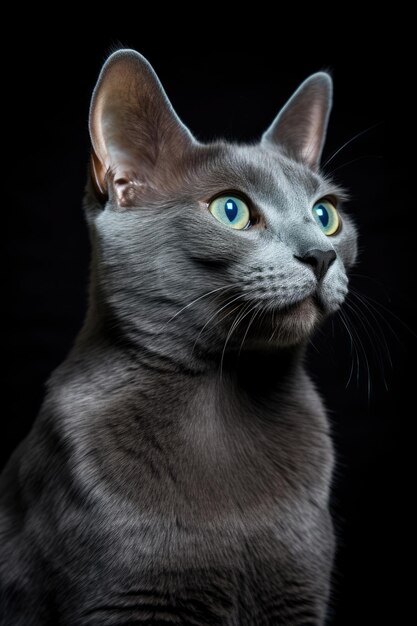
column 133, row 127
column 299, row 129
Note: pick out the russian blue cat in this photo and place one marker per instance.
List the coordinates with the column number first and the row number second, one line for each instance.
column 179, row 469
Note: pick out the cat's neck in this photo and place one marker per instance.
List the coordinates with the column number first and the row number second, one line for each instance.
column 172, row 362
column 173, row 344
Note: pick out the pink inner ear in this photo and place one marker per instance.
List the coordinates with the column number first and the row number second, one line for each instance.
column 97, row 175
column 314, row 135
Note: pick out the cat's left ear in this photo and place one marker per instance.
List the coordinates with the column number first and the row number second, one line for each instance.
column 299, row 129
column 135, row 133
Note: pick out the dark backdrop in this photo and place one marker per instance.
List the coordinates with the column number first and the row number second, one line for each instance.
column 222, row 88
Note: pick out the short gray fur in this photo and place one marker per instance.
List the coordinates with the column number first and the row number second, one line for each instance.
column 179, row 469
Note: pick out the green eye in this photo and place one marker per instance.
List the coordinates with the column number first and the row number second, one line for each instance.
column 231, row 211
column 326, row 217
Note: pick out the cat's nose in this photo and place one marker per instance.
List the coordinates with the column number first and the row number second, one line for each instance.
column 319, row 260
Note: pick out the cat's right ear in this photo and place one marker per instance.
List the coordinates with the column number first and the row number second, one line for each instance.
column 135, row 132
column 299, row 129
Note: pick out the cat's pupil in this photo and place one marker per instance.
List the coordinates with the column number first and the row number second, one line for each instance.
column 323, row 215
column 230, row 208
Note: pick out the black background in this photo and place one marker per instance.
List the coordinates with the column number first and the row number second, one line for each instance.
column 221, row 87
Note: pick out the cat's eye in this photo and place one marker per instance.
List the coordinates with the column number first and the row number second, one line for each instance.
column 327, row 217
column 231, row 211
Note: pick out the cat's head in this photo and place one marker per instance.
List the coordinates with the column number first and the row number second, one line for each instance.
column 220, row 244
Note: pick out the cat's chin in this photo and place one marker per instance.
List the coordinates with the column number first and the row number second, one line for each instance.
column 290, row 325
column 297, row 322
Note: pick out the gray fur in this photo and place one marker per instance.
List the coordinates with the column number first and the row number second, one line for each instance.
column 179, row 470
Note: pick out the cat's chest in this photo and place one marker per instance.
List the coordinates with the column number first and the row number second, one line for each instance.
column 211, row 476
column 216, row 504
column 208, row 459
column 233, row 569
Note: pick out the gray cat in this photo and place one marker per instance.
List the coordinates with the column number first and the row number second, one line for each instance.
column 179, row 470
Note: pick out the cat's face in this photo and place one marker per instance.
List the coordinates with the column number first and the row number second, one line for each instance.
column 219, row 242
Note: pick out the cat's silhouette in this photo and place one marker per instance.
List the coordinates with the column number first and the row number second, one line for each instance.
column 179, row 469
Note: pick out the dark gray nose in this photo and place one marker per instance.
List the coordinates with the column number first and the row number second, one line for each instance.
column 320, row 261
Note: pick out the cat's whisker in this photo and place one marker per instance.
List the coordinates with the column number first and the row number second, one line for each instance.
column 205, row 295
column 240, row 316
column 256, row 311
column 227, row 303
column 245, row 311
column 273, row 329
column 373, row 328
column 314, row 346
column 211, row 319
column 347, row 143
column 264, row 310
column 374, row 332
column 360, row 158
column 373, row 280
column 276, row 328
column 374, row 318
column 371, row 336
column 364, row 353
column 352, row 348
column 375, row 305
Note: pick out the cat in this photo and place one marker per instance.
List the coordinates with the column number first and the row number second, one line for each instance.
column 179, row 469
